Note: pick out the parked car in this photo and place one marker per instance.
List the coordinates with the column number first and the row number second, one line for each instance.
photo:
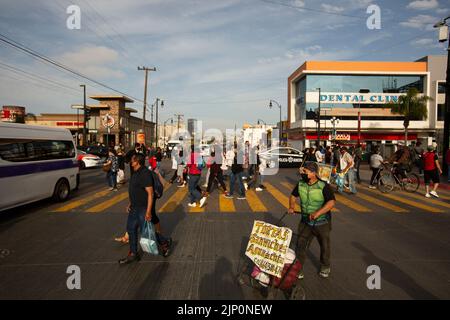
column 100, row 151
column 285, row 157
column 88, row 160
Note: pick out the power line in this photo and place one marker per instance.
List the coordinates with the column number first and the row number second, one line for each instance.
column 18, row 70
column 16, row 45
column 312, row 9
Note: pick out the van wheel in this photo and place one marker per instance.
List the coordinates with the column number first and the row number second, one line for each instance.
column 62, row 191
column 82, row 165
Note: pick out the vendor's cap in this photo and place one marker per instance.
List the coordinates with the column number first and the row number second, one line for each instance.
column 311, row 166
column 430, row 148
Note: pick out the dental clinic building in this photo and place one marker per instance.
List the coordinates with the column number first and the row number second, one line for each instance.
column 340, row 83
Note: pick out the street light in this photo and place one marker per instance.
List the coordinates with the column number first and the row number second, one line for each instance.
column 444, row 36
column 359, row 115
column 318, row 122
column 162, row 105
column 84, row 115
column 281, row 123
column 259, row 121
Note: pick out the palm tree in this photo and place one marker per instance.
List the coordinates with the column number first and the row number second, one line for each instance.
column 412, row 106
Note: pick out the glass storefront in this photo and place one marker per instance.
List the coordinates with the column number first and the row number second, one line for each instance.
column 377, row 84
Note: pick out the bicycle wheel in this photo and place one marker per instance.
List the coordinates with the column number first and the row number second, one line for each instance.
column 386, row 182
column 412, row 183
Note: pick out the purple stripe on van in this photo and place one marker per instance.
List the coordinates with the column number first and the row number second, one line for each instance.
column 29, row 168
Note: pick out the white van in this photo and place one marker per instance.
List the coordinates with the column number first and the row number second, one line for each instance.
column 36, row 162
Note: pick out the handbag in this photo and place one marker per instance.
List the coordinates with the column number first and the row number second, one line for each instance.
column 148, row 240
column 107, row 167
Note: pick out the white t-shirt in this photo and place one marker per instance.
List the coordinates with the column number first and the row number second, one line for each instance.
column 346, row 159
column 376, row 161
column 319, row 156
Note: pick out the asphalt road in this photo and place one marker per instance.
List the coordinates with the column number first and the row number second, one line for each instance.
column 407, row 236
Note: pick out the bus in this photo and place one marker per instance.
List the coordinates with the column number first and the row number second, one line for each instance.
column 36, row 162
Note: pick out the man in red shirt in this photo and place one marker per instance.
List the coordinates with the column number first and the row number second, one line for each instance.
column 432, row 170
column 195, row 165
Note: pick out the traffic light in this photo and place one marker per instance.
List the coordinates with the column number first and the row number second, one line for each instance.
column 87, row 114
column 316, row 116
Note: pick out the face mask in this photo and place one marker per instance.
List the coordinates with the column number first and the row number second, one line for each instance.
column 305, row 177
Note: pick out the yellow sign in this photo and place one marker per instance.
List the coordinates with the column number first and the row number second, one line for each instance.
column 268, row 246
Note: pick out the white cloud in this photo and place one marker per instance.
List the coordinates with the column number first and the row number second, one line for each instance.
column 298, row 3
column 331, row 8
column 443, row 11
column 423, row 4
column 374, row 38
column 421, row 21
column 426, row 43
column 94, row 61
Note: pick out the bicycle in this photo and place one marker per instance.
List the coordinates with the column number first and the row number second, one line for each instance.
column 388, row 179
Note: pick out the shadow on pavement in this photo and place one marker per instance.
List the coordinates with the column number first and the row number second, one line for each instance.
column 151, row 286
column 221, row 283
column 394, row 275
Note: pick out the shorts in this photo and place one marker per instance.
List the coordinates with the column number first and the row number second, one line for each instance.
column 432, row 175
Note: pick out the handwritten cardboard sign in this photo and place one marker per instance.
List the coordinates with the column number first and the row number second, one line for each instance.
column 267, row 247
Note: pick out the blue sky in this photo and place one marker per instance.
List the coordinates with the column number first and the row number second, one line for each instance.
column 218, row 61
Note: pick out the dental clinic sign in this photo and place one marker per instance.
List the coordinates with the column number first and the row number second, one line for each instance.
column 352, row 98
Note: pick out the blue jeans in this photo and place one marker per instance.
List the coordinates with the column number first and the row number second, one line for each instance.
column 135, row 223
column 351, row 176
column 112, row 179
column 237, row 177
column 194, row 194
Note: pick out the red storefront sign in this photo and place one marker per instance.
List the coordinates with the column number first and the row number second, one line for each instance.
column 367, row 136
column 69, row 124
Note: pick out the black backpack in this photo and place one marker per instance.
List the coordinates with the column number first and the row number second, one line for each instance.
column 158, row 188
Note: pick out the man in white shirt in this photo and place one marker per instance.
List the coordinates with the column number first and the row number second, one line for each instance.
column 320, row 157
column 347, row 168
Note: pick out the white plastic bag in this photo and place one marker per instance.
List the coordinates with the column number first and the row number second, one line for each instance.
column 148, row 240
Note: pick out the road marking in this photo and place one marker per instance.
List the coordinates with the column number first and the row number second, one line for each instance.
column 108, row 203
column 174, row 201
column 254, row 202
column 428, row 200
column 381, row 203
column 197, row 209
column 408, row 202
column 289, row 186
column 226, row 205
column 77, row 203
column 278, row 195
column 351, row 204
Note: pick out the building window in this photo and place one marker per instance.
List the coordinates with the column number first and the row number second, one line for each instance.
column 441, row 112
column 441, row 87
column 375, row 83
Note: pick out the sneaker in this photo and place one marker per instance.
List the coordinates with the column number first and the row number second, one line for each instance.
column 205, row 185
column 427, row 195
column 182, row 185
column 111, row 189
column 242, row 198
column 434, row 194
column 246, row 186
column 168, row 245
column 192, row 205
column 129, row 259
column 372, row 187
column 202, row 202
column 228, row 196
column 259, row 189
column 325, row 272
column 301, row 275
column 115, row 189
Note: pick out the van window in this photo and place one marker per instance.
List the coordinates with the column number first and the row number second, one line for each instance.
column 36, row 150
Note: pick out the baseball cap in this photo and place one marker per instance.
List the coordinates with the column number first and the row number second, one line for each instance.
column 311, row 166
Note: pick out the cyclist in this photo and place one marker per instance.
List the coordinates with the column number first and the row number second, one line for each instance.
column 401, row 160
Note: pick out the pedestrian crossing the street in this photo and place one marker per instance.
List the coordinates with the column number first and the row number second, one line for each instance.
column 275, row 198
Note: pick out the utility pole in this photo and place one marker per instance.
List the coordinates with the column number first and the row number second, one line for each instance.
column 84, row 115
column 318, row 122
column 145, row 94
column 444, row 35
